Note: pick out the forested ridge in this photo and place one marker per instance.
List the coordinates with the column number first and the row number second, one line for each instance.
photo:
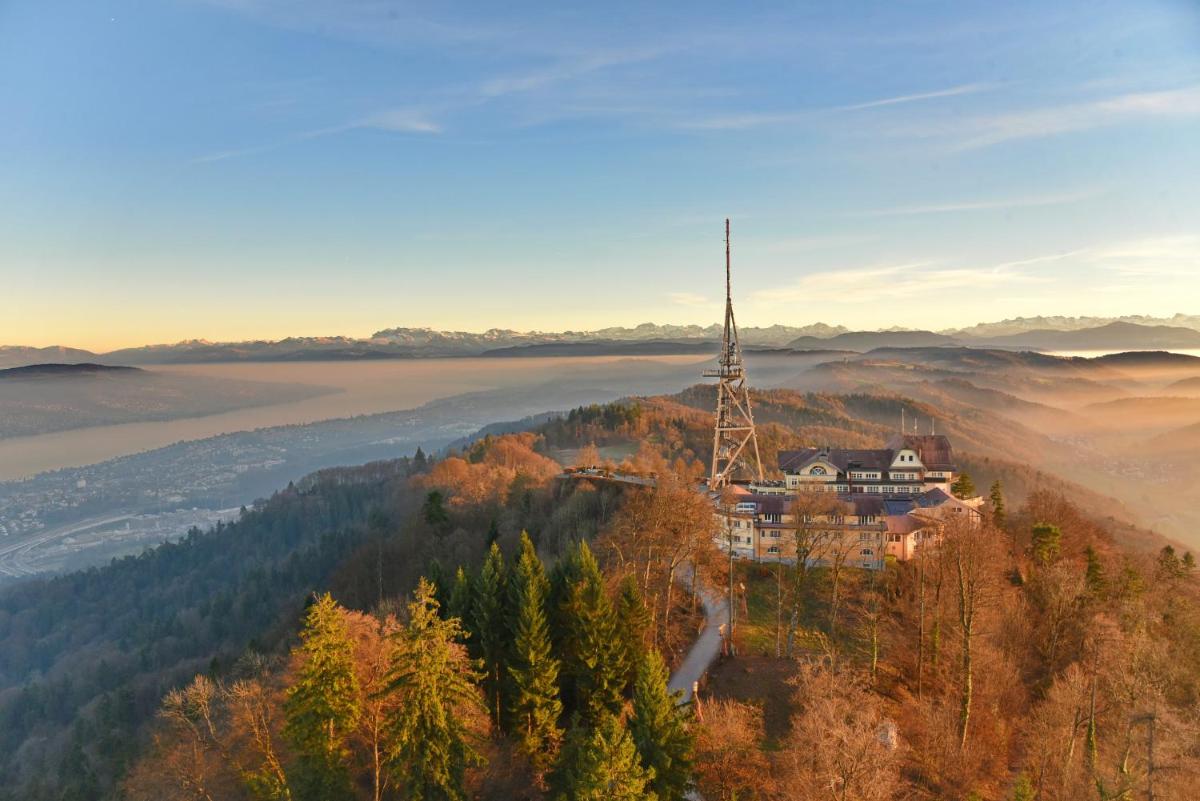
column 1024, row 662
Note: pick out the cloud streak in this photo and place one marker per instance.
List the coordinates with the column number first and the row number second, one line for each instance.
column 398, row 120
column 750, row 120
column 980, row 205
column 980, row 132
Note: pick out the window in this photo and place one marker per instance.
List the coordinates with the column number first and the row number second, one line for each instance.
column 893, row 537
column 817, row 471
column 864, row 536
column 773, row 549
column 773, row 534
column 867, row 552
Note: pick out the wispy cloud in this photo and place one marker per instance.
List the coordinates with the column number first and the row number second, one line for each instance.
column 397, row 120
column 1035, row 123
column 891, row 282
column 570, row 68
column 980, row 205
column 748, row 120
column 953, row 91
column 1176, row 256
column 691, row 300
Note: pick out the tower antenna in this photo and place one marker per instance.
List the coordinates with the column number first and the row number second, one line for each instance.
column 734, row 438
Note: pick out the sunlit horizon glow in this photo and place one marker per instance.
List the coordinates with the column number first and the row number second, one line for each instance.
column 337, row 168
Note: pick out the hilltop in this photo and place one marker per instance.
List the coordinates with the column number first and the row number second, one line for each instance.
column 52, row 370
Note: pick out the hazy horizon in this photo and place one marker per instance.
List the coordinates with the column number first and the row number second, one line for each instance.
column 478, row 330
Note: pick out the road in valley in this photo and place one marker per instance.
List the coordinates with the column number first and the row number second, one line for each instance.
column 13, row 557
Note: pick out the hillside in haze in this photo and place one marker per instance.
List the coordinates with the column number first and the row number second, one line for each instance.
column 40, row 398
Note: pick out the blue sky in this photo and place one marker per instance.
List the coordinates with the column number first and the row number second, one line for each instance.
column 234, row 169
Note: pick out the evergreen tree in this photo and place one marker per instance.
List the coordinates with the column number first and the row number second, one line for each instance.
column 323, row 706
column 660, row 730
column 593, row 652
column 489, row 629
column 1023, row 789
column 442, row 586
column 599, row 762
column 963, row 486
column 419, row 459
column 534, row 706
column 999, row 516
column 1046, row 544
column 635, row 622
column 430, row 749
column 459, row 605
column 434, row 511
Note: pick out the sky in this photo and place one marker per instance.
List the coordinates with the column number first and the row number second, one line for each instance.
column 255, row 169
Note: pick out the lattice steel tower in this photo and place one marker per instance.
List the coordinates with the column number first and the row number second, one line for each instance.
column 733, row 437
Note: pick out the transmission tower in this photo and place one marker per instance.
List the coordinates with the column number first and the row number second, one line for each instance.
column 733, row 436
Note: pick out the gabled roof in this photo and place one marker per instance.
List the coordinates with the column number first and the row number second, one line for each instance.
column 934, row 497
column 933, row 450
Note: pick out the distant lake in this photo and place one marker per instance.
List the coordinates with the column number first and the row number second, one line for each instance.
column 367, row 387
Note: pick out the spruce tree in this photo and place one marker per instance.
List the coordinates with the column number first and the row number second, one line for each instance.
column 963, row 486
column 429, row 743
column 660, row 730
column 534, row 705
column 459, row 605
column 635, row 622
column 593, row 652
column 323, row 706
column 996, row 495
column 489, row 627
column 599, row 762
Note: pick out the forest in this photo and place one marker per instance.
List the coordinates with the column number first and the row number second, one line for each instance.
column 471, row 626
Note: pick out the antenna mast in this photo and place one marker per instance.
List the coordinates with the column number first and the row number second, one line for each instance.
column 734, row 429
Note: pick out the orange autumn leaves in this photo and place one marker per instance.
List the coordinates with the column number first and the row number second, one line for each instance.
column 489, row 469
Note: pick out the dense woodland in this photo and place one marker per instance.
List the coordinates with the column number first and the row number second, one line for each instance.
column 296, row 653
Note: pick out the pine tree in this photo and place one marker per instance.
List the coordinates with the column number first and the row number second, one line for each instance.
column 599, row 762
column 635, row 622
column 534, row 705
column 963, row 486
column 593, row 652
column 660, row 730
column 489, row 629
column 429, row 740
column 323, row 706
column 997, row 497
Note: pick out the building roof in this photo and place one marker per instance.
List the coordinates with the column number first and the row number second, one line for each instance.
column 934, row 497
column 844, row 459
column 903, row 524
column 933, row 450
column 898, row 506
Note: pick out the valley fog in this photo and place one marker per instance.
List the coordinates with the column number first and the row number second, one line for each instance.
column 361, row 388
